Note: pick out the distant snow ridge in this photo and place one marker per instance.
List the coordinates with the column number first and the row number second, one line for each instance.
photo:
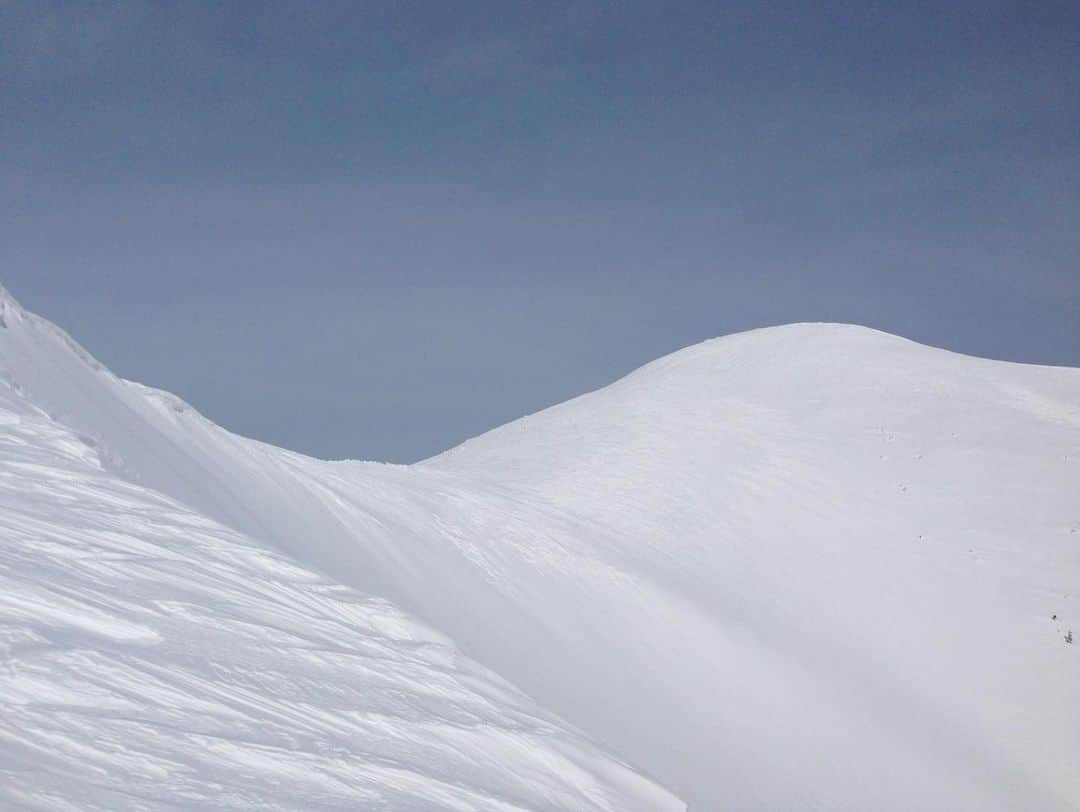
column 808, row 567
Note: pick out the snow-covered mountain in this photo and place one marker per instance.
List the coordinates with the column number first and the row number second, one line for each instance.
column 808, row 567
column 153, row 658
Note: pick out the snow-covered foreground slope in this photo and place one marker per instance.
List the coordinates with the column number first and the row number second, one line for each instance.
column 152, row 658
column 811, row 567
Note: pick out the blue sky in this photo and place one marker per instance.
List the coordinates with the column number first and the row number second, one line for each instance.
column 374, row 229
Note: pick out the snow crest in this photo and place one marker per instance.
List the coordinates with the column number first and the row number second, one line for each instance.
column 815, row 566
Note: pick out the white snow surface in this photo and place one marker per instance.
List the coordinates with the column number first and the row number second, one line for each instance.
column 806, row 567
column 152, row 658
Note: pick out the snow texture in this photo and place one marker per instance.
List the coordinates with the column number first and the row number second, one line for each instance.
column 153, row 658
column 806, row 567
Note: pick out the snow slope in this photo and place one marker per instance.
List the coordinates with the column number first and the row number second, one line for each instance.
column 876, row 536
column 153, row 658
column 809, row 567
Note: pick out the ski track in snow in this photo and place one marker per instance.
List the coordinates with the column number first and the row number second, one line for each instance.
column 810, row 567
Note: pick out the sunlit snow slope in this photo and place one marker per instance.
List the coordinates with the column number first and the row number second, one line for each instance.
column 152, row 658
column 873, row 548
column 808, row 567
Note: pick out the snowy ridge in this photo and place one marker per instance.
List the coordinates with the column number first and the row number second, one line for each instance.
column 813, row 567
column 153, row 658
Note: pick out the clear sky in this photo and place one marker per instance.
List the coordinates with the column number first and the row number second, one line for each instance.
column 368, row 229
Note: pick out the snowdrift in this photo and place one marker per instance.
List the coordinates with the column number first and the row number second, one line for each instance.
column 807, row 567
column 151, row 657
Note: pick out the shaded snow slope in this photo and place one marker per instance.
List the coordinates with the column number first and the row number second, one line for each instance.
column 152, row 658
column 810, row 567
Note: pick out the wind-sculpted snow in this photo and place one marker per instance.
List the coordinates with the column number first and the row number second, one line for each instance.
column 809, row 567
column 152, row 658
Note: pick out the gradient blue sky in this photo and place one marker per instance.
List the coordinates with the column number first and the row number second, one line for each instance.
column 375, row 229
